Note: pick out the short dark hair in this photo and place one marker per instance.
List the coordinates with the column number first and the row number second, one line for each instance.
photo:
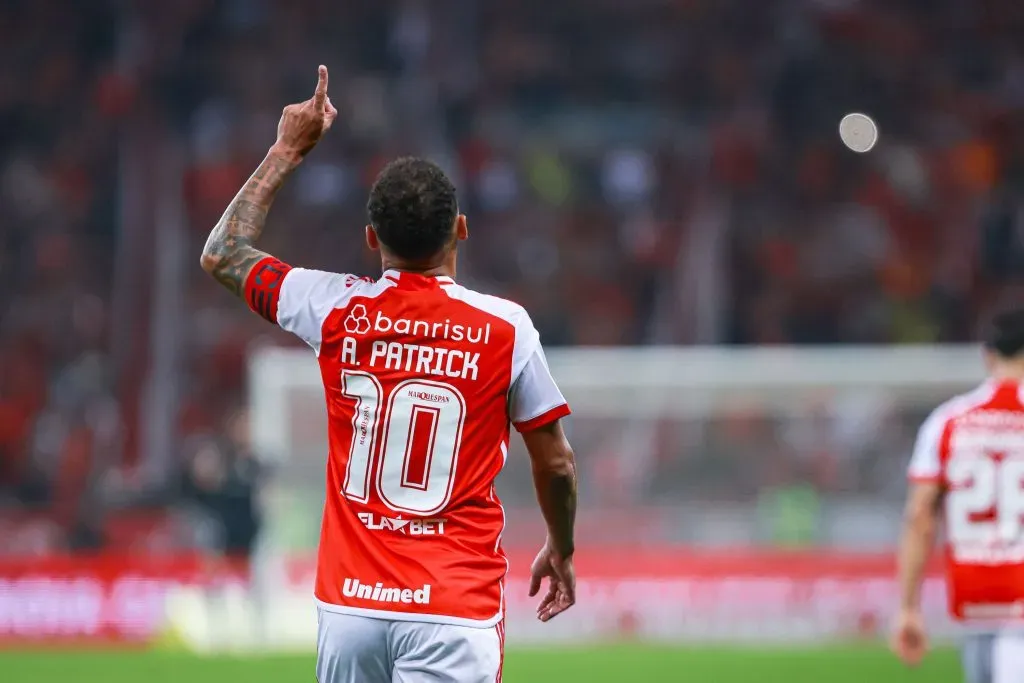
column 1005, row 335
column 412, row 207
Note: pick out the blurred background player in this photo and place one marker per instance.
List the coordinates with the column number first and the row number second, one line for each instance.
column 968, row 469
column 422, row 378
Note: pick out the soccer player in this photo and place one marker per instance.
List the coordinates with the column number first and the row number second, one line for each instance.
column 968, row 467
column 422, row 378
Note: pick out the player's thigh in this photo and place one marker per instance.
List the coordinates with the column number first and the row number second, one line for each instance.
column 976, row 658
column 351, row 649
column 440, row 653
column 1008, row 658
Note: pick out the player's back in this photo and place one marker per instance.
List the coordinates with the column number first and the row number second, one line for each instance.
column 973, row 446
column 421, row 379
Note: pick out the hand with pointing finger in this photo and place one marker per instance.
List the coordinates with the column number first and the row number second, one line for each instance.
column 302, row 125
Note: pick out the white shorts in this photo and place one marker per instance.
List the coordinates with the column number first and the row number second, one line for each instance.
column 995, row 658
column 354, row 649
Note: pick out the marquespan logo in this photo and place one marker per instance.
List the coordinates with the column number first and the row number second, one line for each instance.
column 357, row 322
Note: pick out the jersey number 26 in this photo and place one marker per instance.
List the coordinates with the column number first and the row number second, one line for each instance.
column 979, row 484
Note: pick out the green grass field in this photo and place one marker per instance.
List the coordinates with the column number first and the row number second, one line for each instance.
column 614, row 663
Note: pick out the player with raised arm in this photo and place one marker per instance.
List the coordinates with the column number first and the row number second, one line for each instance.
column 968, row 468
column 422, row 379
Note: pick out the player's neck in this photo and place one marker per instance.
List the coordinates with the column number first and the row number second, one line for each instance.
column 439, row 271
column 1008, row 372
column 442, row 268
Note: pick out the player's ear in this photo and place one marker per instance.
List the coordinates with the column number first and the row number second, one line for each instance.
column 461, row 228
column 371, row 238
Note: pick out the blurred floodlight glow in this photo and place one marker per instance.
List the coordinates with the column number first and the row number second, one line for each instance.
column 858, row 132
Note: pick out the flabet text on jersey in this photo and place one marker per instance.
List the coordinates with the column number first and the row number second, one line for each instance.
column 405, row 526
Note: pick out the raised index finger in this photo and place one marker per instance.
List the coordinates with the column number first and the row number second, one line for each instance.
column 320, row 95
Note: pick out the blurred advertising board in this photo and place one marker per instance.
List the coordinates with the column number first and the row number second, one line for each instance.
column 649, row 594
column 88, row 600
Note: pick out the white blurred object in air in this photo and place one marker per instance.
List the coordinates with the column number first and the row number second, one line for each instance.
column 627, row 176
column 858, row 132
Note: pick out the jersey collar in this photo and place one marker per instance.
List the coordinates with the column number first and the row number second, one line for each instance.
column 397, row 275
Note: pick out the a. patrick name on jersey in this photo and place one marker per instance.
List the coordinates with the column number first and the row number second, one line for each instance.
column 435, row 359
column 423, row 360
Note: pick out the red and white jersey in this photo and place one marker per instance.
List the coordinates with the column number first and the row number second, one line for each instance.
column 974, row 446
column 422, row 378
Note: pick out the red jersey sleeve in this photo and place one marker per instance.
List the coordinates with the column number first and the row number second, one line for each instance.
column 263, row 287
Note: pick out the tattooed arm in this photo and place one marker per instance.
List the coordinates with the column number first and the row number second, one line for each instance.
column 229, row 254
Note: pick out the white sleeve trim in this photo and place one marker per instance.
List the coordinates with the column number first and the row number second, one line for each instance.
column 925, row 463
column 526, row 345
column 534, row 391
column 308, row 297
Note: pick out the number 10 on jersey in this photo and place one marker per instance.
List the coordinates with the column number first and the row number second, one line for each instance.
column 413, row 436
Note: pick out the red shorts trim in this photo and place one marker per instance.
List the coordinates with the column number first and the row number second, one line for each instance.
column 500, row 628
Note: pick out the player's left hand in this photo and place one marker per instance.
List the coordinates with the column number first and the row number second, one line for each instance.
column 909, row 640
column 561, row 577
column 303, row 125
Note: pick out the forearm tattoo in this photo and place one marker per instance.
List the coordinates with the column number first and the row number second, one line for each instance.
column 229, row 253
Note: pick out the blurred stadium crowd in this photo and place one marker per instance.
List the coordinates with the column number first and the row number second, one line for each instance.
column 652, row 171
